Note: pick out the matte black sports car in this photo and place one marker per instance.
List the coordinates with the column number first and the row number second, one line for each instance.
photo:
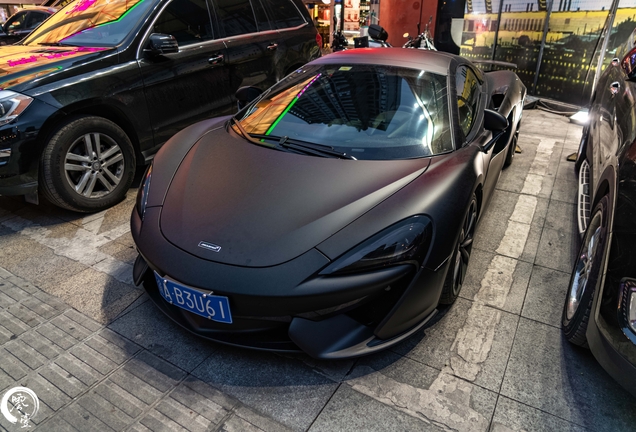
column 333, row 213
column 600, row 306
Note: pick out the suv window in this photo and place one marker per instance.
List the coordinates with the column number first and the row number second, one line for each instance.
column 236, row 17
column 261, row 17
column 284, row 13
column 35, row 19
column 468, row 91
column 17, row 23
column 187, row 20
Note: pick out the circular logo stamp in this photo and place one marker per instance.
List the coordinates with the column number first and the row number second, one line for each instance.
column 19, row 404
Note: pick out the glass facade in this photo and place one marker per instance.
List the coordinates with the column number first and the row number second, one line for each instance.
column 515, row 31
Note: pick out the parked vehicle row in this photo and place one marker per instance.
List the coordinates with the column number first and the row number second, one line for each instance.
column 600, row 306
column 101, row 85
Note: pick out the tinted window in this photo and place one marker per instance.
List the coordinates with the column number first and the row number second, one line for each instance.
column 468, row 90
column 187, row 20
column 367, row 111
column 261, row 17
column 236, row 17
column 16, row 22
column 35, row 19
column 94, row 24
column 284, row 13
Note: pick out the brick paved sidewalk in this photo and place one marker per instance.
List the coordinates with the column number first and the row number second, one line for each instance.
column 87, row 377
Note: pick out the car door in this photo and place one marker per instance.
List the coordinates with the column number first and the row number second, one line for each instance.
column 251, row 43
column 190, row 85
column 470, row 103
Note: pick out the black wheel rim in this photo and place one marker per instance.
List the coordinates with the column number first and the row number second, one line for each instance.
column 94, row 165
column 584, row 266
column 464, row 248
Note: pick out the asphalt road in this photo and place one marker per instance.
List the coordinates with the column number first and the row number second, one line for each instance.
column 100, row 356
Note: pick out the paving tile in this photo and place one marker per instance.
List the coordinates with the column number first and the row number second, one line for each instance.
column 549, row 374
column 62, row 379
column 47, row 393
column 12, row 325
column 255, row 419
column 57, row 336
column 82, row 419
column 237, row 424
column 565, row 190
column 158, row 422
column 155, row 371
column 102, row 297
column 282, row 388
column 557, row 250
column 78, row 369
column 12, row 366
column 41, row 344
column 136, row 386
column 478, row 266
column 105, row 411
column 113, row 346
column 147, row 326
column 95, row 359
column 352, row 411
column 119, row 397
column 119, row 251
column 47, row 269
column 25, row 354
column 70, row 327
column 25, row 315
column 183, row 415
column 516, row 416
column 546, row 294
column 415, row 374
column 561, row 217
column 203, row 399
column 57, row 423
column 13, row 292
column 83, row 320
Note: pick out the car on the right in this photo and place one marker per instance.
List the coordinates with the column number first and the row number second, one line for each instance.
column 600, row 305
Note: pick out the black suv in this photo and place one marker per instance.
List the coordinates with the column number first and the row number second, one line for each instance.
column 101, row 85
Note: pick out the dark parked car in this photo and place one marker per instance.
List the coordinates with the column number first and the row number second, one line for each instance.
column 23, row 22
column 600, row 306
column 101, row 85
column 333, row 213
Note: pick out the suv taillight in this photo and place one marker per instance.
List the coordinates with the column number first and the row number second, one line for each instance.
column 319, row 40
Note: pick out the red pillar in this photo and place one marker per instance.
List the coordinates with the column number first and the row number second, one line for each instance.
column 401, row 16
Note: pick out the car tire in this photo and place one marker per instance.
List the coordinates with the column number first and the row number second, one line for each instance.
column 586, row 275
column 461, row 255
column 512, row 147
column 87, row 165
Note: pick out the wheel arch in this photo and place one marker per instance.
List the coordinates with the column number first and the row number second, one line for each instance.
column 96, row 108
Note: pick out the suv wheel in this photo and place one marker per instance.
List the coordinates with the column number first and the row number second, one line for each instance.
column 88, row 165
column 586, row 276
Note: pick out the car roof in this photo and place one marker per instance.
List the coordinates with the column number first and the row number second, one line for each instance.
column 49, row 10
column 431, row 61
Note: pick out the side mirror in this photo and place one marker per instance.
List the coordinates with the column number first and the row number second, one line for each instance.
column 378, row 33
column 247, row 94
column 160, row 43
column 629, row 65
column 493, row 121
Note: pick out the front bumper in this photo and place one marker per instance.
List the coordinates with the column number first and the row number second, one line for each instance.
column 614, row 346
column 20, row 150
column 287, row 307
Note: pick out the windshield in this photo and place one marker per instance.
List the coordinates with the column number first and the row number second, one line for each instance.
column 366, row 111
column 95, row 23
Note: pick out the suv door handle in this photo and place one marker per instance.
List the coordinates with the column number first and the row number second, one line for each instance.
column 272, row 46
column 216, row 59
column 614, row 88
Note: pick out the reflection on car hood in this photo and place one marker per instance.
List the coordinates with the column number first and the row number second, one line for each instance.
column 259, row 207
column 20, row 63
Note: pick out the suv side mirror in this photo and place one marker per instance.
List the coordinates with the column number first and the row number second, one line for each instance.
column 629, row 64
column 247, row 94
column 493, row 121
column 160, row 43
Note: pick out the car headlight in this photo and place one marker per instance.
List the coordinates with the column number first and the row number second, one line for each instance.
column 12, row 104
column 405, row 241
column 142, row 193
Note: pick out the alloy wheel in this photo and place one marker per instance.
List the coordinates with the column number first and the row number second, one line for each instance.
column 94, row 165
column 583, row 266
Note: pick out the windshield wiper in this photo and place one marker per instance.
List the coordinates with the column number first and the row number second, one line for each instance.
column 305, row 147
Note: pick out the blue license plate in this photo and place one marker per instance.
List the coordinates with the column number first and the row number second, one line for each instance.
column 216, row 308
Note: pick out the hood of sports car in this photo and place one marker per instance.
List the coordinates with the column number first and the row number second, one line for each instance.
column 239, row 203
